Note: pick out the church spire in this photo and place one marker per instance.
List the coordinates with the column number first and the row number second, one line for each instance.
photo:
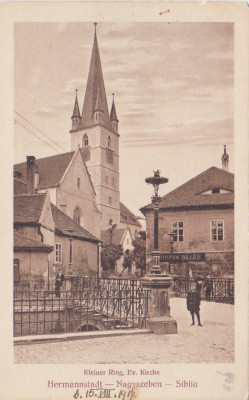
column 95, row 91
column 76, row 113
column 113, row 116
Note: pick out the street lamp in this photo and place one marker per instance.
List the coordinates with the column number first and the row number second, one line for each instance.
column 171, row 265
column 70, row 264
column 156, row 181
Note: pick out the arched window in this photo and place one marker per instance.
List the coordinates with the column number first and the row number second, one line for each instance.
column 77, row 215
column 109, row 142
column 85, row 140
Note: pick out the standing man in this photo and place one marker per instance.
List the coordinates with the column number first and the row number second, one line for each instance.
column 208, row 287
column 58, row 282
column 193, row 304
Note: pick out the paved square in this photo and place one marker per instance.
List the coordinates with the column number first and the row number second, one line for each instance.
column 212, row 343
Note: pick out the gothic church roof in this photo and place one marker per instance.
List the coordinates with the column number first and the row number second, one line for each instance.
column 51, row 169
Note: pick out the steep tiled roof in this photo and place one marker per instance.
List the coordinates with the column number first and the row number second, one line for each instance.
column 95, row 83
column 20, row 187
column 63, row 223
column 117, row 236
column 127, row 217
column 28, row 208
column 22, row 243
column 191, row 193
column 51, row 169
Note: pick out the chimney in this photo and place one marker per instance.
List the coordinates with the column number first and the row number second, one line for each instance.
column 37, row 177
column 225, row 159
column 30, row 174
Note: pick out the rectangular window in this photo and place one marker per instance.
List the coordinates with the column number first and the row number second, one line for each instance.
column 177, row 231
column 78, row 182
column 16, row 270
column 58, row 252
column 106, row 179
column 110, row 200
column 113, row 182
column 217, row 230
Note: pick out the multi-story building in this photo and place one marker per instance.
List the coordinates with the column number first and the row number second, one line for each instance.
column 196, row 225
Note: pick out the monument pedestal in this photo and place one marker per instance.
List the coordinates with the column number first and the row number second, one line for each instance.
column 160, row 321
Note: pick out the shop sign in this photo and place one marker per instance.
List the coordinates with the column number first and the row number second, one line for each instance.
column 181, row 257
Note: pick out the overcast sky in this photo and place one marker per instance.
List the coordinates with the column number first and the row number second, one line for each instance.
column 173, row 85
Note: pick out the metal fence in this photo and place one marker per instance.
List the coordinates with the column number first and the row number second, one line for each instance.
column 91, row 304
column 220, row 289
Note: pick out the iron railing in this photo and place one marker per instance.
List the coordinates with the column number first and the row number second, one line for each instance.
column 91, row 304
column 221, row 289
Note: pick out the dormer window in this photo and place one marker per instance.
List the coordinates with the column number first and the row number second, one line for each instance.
column 217, row 191
column 85, row 140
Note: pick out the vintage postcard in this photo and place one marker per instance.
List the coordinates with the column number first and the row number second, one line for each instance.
column 124, row 219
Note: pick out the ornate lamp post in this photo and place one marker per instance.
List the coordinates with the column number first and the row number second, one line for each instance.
column 70, row 264
column 156, row 181
column 160, row 320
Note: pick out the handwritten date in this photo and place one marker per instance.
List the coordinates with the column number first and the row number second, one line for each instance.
column 102, row 393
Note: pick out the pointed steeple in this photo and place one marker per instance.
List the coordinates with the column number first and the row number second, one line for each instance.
column 113, row 116
column 95, row 95
column 76, row 113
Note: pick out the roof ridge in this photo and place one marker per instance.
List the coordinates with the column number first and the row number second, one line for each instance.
column 30, row 195
column 47, row 157
column 197, row 177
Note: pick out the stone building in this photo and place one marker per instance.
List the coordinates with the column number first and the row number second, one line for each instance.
column 46, row 240
column 199, row 216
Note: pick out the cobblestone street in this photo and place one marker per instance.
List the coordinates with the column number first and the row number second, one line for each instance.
column 214, row 342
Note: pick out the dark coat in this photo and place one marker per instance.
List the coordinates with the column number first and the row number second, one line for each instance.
column 193, row 301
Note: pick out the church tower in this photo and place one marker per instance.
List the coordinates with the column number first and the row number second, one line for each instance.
column 96, row 133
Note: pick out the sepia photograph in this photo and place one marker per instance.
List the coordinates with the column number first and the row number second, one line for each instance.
column 125, row 159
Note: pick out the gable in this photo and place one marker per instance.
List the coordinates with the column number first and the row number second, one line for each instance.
column 77, row 169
